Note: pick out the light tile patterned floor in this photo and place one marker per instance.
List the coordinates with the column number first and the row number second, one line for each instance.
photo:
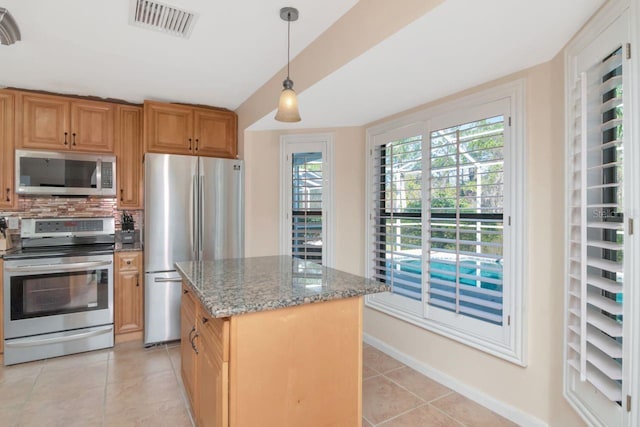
column 395, row 395
column 132, row 386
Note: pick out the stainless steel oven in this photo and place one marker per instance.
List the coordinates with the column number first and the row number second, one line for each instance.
column 58, row 299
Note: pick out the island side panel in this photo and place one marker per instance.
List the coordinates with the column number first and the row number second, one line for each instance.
column 297, row 366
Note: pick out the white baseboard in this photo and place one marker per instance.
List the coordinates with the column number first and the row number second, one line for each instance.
column 511, row 413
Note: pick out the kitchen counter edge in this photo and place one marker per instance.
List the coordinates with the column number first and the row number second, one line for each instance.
column 227, row 300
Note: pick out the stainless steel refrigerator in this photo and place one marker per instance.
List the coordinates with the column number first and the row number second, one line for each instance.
column 194, row 210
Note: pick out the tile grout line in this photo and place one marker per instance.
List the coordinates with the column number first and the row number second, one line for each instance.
column 400, row 414
column 445, row 412
column 106, row 383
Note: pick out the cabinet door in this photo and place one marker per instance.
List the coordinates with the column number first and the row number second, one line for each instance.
column 128, row 291
column 188, row 355
column 45, row 122
column 215, row 133
column 7, row 195
column 168, row 128
column 1, row 307
column 213, row 372
column 92, row 126
column 129, row 157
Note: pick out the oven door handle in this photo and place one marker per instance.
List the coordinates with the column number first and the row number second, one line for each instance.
column 58, row 267
column 30, row 342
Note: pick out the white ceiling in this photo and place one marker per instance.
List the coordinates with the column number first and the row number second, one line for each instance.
column 458, row 45
column 87, row 47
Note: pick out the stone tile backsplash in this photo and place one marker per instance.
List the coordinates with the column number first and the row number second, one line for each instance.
column 70, row 207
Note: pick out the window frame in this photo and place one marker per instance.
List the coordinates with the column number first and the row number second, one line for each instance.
column 512, row 344
column 302, row 143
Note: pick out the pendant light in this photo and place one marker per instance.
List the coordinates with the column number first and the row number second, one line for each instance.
column 288, row 104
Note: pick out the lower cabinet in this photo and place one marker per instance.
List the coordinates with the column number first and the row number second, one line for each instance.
column 1, row 307
column 205, row 363
column 187, row 349
column 129, row 296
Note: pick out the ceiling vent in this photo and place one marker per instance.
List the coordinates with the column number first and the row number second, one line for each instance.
column 9, row 31
column 161, row 17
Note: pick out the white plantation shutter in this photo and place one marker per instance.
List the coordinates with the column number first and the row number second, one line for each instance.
column 596, row 329
column 397, row 214
column 445, row 222
column 306, row 202
column 467, row 206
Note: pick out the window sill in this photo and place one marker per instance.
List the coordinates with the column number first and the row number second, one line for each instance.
column 383, row 303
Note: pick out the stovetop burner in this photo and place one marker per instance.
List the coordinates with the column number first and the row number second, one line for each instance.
column 60, row 251
column 64, row 237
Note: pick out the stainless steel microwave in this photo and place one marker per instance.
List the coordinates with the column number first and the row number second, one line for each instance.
column 75, row 174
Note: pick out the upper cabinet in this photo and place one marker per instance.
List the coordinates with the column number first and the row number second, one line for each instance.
column 181, row 129
column 216, row 133
column 58, row 123
column 7, row 195
column 129, row 155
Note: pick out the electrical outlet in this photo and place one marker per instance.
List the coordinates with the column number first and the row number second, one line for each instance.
column 13, row 223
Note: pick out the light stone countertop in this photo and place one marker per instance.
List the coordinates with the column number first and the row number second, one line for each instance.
column 245, row 285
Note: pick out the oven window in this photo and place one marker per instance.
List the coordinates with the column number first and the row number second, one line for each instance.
column 58, row 293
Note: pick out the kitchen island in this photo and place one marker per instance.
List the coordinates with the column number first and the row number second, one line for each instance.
column 272, row 341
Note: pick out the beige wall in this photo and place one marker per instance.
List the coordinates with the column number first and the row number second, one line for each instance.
column 262, row 199
column 536, row 389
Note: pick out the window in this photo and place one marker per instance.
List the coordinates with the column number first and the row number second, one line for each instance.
column 306, row 197
column 445, row 220
column 598, row 365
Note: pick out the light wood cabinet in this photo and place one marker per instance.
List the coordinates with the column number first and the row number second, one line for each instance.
column 187, row 349
column 215, row 133
column 7, row 180
column 212, row 367
column 181, row 129
column 129, row 294
column 1, row 307
column 57, row 123
column 274, row 368
column 129, row 152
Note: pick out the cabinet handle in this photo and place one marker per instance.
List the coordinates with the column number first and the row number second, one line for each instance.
column 128, row 262
column 190, row 335
column 195, row 347
column 197, row 141
column 65, row 138
column 189, row 143
column 121, row 195
column 74, row 138
column 8, row 194
column 137, row 278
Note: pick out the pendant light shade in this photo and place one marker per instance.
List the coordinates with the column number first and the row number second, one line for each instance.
column 288, row 104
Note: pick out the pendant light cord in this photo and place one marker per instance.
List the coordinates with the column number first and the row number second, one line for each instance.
column 288, row 41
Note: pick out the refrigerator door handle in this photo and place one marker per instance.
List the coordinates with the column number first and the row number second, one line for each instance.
column 194, row 216
column 201, row 218
column 167, row 279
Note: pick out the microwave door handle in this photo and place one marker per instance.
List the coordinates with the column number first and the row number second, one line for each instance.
column 58, row 267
